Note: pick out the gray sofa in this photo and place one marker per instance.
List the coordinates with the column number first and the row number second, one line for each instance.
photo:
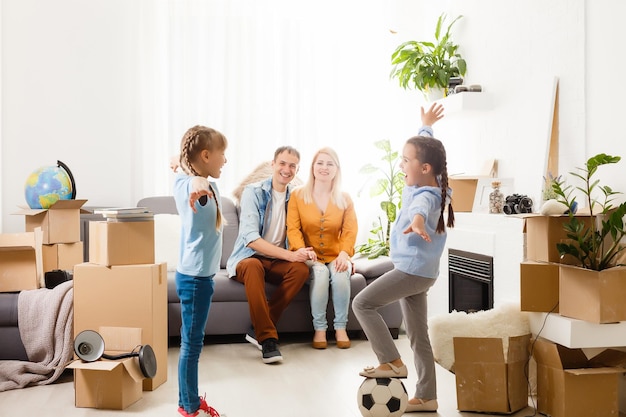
column 229, row 310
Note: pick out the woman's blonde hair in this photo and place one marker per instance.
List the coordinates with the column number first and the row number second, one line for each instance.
column 336, row 195
column 194, row 141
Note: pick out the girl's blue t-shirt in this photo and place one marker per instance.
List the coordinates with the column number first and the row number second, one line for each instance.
column 409, row 252
column 200, row 243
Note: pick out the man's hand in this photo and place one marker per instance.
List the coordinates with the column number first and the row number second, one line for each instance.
column 303, row 255
column 434, row 114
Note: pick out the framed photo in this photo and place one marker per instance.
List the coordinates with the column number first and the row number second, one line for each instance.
column 483, row 189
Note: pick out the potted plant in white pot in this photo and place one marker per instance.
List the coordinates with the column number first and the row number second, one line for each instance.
column 593, row 286
column 428, row 66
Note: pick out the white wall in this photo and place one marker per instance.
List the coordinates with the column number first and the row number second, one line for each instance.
column 68, row 74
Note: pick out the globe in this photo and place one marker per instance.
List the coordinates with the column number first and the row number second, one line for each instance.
column 47, row 185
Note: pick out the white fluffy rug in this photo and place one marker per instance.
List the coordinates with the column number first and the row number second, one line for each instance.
column 502, row 322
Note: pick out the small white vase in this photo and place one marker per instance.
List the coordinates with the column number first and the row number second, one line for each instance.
column 434, row 94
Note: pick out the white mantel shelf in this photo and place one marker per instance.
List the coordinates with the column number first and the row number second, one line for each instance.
column 466, row 101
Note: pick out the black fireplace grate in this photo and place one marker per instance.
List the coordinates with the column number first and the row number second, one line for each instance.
column 470, row 281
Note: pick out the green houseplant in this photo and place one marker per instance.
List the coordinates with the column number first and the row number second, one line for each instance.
column 389, row 181
column 594, row 246
column 426, row 65
column 592, row 284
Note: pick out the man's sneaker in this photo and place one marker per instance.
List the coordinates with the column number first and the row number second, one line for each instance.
column 270, row 350
column 251, row 338
column 204, row 410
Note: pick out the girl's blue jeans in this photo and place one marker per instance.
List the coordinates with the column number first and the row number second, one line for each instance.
column 322, row 277
column 195, row 295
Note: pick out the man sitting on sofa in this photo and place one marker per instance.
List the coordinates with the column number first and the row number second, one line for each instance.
column 261, row 254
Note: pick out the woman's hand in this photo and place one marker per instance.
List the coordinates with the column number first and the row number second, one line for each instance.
column 342, row 262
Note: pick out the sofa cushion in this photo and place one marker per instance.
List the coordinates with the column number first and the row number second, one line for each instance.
column 166, row 239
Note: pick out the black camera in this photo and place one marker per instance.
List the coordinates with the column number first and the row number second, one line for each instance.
column 516, row 204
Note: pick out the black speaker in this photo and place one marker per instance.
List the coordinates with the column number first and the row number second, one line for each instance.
column 89, row 347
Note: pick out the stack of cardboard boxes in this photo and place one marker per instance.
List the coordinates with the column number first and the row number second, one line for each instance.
column 569, row 384
column 118, row 289
column 51, row 241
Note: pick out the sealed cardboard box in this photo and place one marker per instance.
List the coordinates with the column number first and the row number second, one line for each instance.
column 62, row 256
column 125, row 296
column 491, row 373
column 571, row 385
column 544, row 232
column 60, row 223
column 121, row 243
column 110, row 384
column 21, row 261
column 539, row 286
column 594, row 296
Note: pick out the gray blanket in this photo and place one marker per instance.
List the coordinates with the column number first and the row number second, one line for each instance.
column 45, row 320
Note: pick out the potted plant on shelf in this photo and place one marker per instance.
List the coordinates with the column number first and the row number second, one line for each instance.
column 593, row 286
column 390, row 182
column 427, row 66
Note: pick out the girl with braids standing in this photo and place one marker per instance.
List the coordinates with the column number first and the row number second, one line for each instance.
column 198, row 203
column 416, row 244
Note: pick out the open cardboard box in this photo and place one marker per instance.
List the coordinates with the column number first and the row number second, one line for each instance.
column 571, row 385
column 60, row 223
column 21, row 261
column 490, row 377
column 544, row 232
column 110, row 384
column 125, row 296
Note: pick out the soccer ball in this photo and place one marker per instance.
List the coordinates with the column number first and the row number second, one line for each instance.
column 382, row 397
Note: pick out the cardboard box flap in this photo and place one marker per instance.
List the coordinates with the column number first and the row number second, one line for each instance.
column 518, row 348
column 19, row 241
column 594, row 371
column 556, row 356
column 59, row 205
column 109, row 365
column 120, row 339
column 474, row 349
column 609, row 357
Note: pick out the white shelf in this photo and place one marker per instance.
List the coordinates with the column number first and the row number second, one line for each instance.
column 467, row 101
column 574, row 333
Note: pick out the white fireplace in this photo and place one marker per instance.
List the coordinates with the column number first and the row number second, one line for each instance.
column 496, row 235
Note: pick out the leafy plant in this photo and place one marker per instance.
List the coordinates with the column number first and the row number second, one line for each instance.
column 594, row 246
column 389, row 181
column 424, row 65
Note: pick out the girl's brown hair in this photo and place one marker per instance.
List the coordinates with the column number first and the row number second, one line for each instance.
column 431, row 151
column 194, row 141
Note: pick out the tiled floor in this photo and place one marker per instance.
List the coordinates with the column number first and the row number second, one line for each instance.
column 308, row 383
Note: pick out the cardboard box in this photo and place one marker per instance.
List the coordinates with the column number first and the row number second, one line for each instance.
column 60, row 223
column 594, row 296
column 543, row 233
column 539, row 286
column 121, row 243
column 463, row 192
column 570, row 385
column 62, row 256
column 110, row 384
column 21, row 261
column 491, row 377
column 125, row 296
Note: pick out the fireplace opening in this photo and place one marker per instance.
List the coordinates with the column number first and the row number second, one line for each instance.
column 470, row 281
